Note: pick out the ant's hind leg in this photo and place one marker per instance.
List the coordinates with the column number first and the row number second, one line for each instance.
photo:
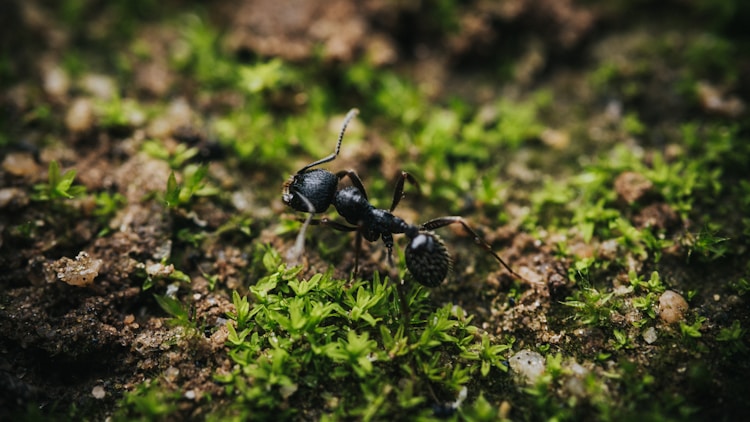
column 445, row 221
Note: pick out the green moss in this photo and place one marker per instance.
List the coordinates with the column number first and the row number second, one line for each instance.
column 59, row 186
column 733, row 338
column 149, row 401
column 592, row 306
column 342, row 343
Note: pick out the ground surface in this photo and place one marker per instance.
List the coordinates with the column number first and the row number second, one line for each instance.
column 600, row 149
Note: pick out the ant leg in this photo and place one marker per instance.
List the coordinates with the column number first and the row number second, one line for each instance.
column 344, row 228
column 404, row 302
column 334, row 225
column 349, row 116
column 295, row 252
column 445, row 221
column 354, row 177
column 398, row 193
column 402, row 295
column 388, row 241
column 357, row 251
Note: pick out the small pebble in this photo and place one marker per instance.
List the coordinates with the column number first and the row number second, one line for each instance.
column 56, row 81
column 171, row 373
column 555, row 138
column 575, row 384
column 650, row 335
column 672, row 307
column 100, row 86
column 172, row 290
column 13, row 196
column 159, row 270
column 713, row 100
column 98, row 392
column 528, row 364
column 80, row 116
column 20, row 164
column 80, row 272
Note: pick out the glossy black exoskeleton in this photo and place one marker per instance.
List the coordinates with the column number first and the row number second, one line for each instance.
column 314, row 190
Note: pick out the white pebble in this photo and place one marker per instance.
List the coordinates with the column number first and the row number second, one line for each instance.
column 100, row 86
column 528, row 364
column 80, row 272
column 56, row 81
column 650, row 335
column 172, row 289
column 98, row 392
column 171, row 373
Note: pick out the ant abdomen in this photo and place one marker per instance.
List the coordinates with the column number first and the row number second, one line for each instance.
column 427, row 259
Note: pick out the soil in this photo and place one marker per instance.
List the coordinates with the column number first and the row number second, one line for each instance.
column 63, row 341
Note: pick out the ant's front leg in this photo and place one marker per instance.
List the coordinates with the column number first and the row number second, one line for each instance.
column 295, row 252
column 445, row 221
column 357, row 251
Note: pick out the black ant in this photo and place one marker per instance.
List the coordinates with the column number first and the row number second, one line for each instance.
column 315, row 190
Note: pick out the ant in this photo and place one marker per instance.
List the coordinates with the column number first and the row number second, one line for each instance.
column 314, row 190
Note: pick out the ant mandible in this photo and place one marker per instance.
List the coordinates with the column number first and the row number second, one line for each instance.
column 314, row 190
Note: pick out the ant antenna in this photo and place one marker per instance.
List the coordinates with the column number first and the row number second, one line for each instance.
column 349, row 116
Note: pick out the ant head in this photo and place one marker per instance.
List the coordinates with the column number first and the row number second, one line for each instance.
column 427, row 259
column 311, row 191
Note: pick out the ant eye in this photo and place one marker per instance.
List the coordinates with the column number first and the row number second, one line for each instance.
column 286, row 194
column 427, row 259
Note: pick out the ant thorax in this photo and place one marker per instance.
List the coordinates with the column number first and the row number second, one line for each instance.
column 352, row 205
